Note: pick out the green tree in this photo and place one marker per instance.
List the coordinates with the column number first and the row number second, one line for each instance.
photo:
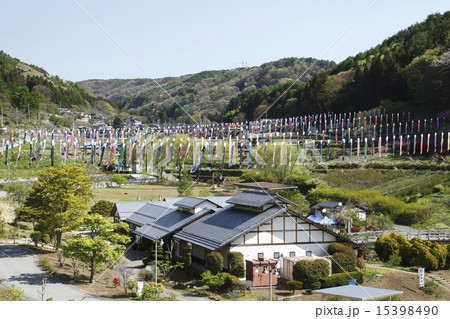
column 102, row 207
column 59, row 198
column 17, row 192
column 101, row 246
column 117, row 122
column 185, row 184
column 119, row 179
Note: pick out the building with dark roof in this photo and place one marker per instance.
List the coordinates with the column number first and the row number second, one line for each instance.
column 328, row 207
column 259, row 225
column 153, row 221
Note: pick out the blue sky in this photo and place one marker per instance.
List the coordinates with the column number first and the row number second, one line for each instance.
column 171, row 38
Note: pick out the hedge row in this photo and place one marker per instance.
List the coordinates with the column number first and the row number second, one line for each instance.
column 341, row 279
column 414, row 252
column 309, row 271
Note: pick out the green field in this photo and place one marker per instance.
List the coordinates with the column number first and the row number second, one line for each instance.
column 150, row 192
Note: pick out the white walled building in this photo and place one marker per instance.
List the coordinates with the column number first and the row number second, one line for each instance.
column 259, row 225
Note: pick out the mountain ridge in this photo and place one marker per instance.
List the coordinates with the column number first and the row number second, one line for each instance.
column 205, row 94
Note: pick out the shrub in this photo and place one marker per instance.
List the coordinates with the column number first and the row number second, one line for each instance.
column 440, row 253
column 214, row 262
column 343, row 262
column 47, row 265
column 214, row 281
column 45, row 238
column 236, row 264
column 343, row 258
column 338, row 248
column 309, row 271
column 363, row 252
column 315, row 285
column 116, row 282
column 426, row 260
column 360, row 263
column 229, row 281
column 151, row 291
column 341, row 279
column 132, row 285
column 294, row 285
column 36, row 237
column 386, row 246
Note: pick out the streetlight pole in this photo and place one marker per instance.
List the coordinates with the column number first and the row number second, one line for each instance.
column 156, row 259
column 270, row 272
column 156, row 262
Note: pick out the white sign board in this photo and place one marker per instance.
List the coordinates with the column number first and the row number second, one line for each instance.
column 421, row 277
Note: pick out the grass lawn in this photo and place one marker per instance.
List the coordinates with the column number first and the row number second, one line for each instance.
column 151, row 192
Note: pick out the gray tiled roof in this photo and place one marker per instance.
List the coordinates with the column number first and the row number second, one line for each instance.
column 254, row 199
column 327, row 204
column 125, row 209
column 170, row 201
column 169, row 223
column 258, row 199
column 147, row 214
column 220, row 228
column 189, row 202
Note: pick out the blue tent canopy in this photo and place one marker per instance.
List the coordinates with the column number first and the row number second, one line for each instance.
column 322, row 220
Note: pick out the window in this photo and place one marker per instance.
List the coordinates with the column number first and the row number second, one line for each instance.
column 276, row 255
column 260, row 255
column 292, row 254
column 309, row 253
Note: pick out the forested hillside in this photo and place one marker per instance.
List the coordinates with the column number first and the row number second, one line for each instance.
column 204, row 95
column 26, row 90
column 409, row 71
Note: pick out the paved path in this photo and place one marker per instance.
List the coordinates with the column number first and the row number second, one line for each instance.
column 18, row 268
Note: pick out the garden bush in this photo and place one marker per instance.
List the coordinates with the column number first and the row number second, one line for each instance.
column 363, row 252
column 214, row 262
column 36, row 237
column 218, row 282
column 360, row 263
column 309, row 271
column 343, row 258
column 315, row 285
column 343, row 262
column 294, row 285
column 386, row 246
column 236, row 264
column 339, row 248
column 397, row 249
